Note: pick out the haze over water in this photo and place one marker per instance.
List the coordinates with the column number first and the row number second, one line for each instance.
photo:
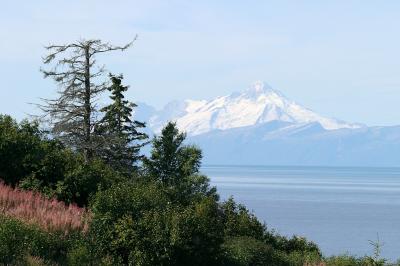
column 340, row 209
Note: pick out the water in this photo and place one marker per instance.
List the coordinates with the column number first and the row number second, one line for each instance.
column 340, row 209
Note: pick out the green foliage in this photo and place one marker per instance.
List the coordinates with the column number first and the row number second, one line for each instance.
column 299, row 258
column 17, row 240
column 239, row 221
column 170, row 160
column 243, row 230
column 245, row 250
column 176, row 167
column 33, row 161
column 198, row 233
column 296, row 244
column 375, row 259
column 80, row 255
column 12, row 241
column 78, row 182
column 137, row 223
column 170, row 216
column 343, row 260
column 25, row 152
column 167, row 215
column 348, row 260
column 122, row 138
column 117, row 204
column 84, row 180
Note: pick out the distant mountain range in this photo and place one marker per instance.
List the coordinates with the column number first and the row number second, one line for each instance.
column 260, row 126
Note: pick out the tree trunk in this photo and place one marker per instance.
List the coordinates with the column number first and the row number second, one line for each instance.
column 88, row 111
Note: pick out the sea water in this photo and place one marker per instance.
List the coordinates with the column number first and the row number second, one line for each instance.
column 340, row 209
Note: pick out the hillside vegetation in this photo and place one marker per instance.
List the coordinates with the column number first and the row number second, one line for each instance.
column 163, row 213
column 82, row 193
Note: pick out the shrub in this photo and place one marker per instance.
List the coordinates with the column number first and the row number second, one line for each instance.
column 245, row 250
column 84, row 180
column 136, row 223
column 300, row 258
column 239, row 221
column 25, row 151
column 343, row 260
column 297, row 244
column 80, row 255
column 12, row 241
column 33, row 161
column 19, row 241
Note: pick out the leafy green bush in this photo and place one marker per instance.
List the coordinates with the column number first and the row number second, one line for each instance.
column 80, row 255
column 137, row 223
column 296, row 244
column 84, row 180
column 17, row 240
column 13, row 243
column 343, row 260
column 25, row 151
column 245, row 250
column 35, row 162
column 239, row 221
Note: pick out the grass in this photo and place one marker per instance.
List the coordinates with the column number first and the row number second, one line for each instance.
column 50, row 214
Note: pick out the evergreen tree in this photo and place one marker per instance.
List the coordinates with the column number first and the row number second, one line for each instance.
column 73, row 114
column 177, row 167
column 170, row 160
column 123, row 138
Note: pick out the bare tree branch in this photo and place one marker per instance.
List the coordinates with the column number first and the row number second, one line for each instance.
column 72, row 114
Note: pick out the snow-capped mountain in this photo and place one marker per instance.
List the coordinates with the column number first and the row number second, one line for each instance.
column 260, row 126
column 257, row 105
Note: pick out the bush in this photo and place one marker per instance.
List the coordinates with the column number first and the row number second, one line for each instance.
column 78, row 183
column 83, row 181
column 343, row 260
column 33, row 161
column 21, row 149
column 80, row 255
column 13, row 244
column 239, row 221
column 18, row 240
column 297, row 244
column 245, row 250
column 136, row 223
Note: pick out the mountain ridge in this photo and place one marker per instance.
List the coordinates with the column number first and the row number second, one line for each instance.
column 257, row 104
column 261, row 126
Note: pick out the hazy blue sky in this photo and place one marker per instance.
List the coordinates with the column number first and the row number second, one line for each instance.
column 339, row 58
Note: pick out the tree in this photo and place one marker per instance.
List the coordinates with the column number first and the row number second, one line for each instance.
column 26, row 152
column 176, row 167
column 73, row 113
column 239, row 221
column 121, row 150
column 170, row 160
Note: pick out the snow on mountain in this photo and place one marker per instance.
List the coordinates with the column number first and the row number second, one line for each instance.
column 260, row 126
column 257, row 105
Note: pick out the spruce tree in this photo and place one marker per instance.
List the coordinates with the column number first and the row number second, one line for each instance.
column 123, row 139
column 171, row 161
column 73, row 114
column 176, row 167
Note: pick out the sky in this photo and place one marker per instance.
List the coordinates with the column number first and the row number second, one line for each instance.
column 339, row 58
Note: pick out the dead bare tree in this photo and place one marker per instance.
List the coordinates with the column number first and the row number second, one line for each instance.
column 72, row 115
